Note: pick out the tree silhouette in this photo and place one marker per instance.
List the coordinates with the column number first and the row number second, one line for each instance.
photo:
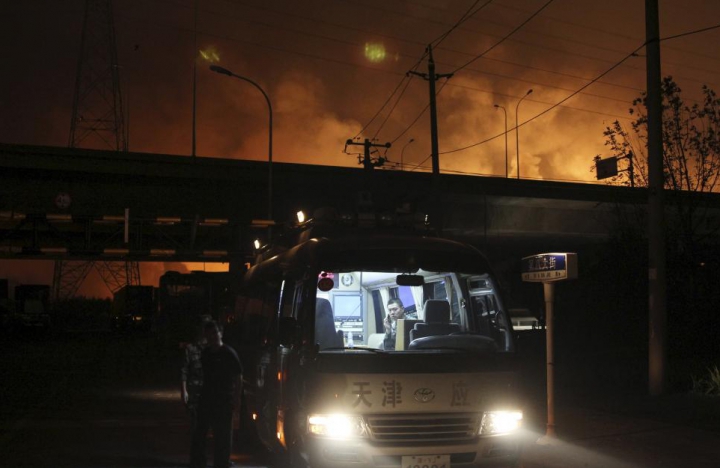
column 691, row 158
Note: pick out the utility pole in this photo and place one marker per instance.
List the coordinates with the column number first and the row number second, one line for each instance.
column 432, row 77
column 656, row 207
column 367, row 162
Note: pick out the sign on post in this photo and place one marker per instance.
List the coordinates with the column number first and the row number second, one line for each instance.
column 606, row 168
column 542, row 268
column 547, row 268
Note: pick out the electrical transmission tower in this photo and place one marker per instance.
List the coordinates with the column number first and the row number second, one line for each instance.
column 97, row 118
column 70, row 275
column 97, row 122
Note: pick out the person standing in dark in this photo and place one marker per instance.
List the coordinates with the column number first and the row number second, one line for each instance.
column 220, row 392
column 191, row 376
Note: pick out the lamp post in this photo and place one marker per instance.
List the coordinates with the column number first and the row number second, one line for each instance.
column 402, row 166
column 497, row 106
column 517, row 132
column 225, row 71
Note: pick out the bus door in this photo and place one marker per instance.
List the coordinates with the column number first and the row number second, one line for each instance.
column 258, row 345
column 293, row 329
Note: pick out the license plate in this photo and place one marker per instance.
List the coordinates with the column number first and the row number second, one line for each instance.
column 426, row 461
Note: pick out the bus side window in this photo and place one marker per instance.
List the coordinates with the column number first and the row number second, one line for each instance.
column 287, row 299
column 490, row 323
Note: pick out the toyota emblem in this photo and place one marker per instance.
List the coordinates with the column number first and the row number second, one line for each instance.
column 423, row 395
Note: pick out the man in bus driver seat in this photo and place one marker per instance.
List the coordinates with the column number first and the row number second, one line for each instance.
column 396, row 311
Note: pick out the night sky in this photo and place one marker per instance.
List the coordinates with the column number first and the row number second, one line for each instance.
column 310, row 57
column 330, row 65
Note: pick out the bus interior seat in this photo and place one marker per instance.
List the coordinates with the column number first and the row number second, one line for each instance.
column 437, row 320
column 326, row 336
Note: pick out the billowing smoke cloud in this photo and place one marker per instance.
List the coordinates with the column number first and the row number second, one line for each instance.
column 324, row 88
column 312, row 62
column 306, row 129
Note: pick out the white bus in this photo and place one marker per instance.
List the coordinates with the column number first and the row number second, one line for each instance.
column 322, row 387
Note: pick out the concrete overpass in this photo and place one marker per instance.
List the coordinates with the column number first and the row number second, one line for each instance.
column 185, row 209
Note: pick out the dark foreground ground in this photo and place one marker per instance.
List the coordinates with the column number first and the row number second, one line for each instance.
column 101, row 400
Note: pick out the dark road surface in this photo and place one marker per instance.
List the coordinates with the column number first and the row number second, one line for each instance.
column 98, row 400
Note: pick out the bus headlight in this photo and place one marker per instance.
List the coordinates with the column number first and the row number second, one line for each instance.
column 500, row 422
column 336, row 426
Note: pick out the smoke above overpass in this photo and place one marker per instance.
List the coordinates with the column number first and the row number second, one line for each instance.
column 328, row 69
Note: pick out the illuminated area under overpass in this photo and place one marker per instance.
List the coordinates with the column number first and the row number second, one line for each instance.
column 202, row 209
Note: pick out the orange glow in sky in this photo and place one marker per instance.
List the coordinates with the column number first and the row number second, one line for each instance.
column 327, row 73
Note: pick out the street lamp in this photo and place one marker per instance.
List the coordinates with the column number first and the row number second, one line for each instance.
column 497, row 106
column 517, row 132
column 403, row 152
column 225, row 71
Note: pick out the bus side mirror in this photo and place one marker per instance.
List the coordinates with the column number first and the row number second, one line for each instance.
column 288, row 330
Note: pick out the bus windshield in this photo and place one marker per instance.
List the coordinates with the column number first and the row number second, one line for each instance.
column 409, row 312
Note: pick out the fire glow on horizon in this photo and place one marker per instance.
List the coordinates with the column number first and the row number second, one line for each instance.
column 329, row 70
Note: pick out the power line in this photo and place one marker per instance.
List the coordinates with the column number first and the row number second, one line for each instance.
column 464, row 18
column 467, row 15
column 506, row 37
column 385, row 71
column 611, row 33
column 544, row 70
column 397, row 101
column 330, row 60
column 262, row 46
column 355, row 44
column 536, row 84
column 418, row 166
column 690, row 33
column 631, row 54
column 355, row 65
column 427, row 20
column 405, row 77
column 412, row 124
column 531, row 44
column 495, row 93
column 409, row 41
column 551, row 107
column 468, row 63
